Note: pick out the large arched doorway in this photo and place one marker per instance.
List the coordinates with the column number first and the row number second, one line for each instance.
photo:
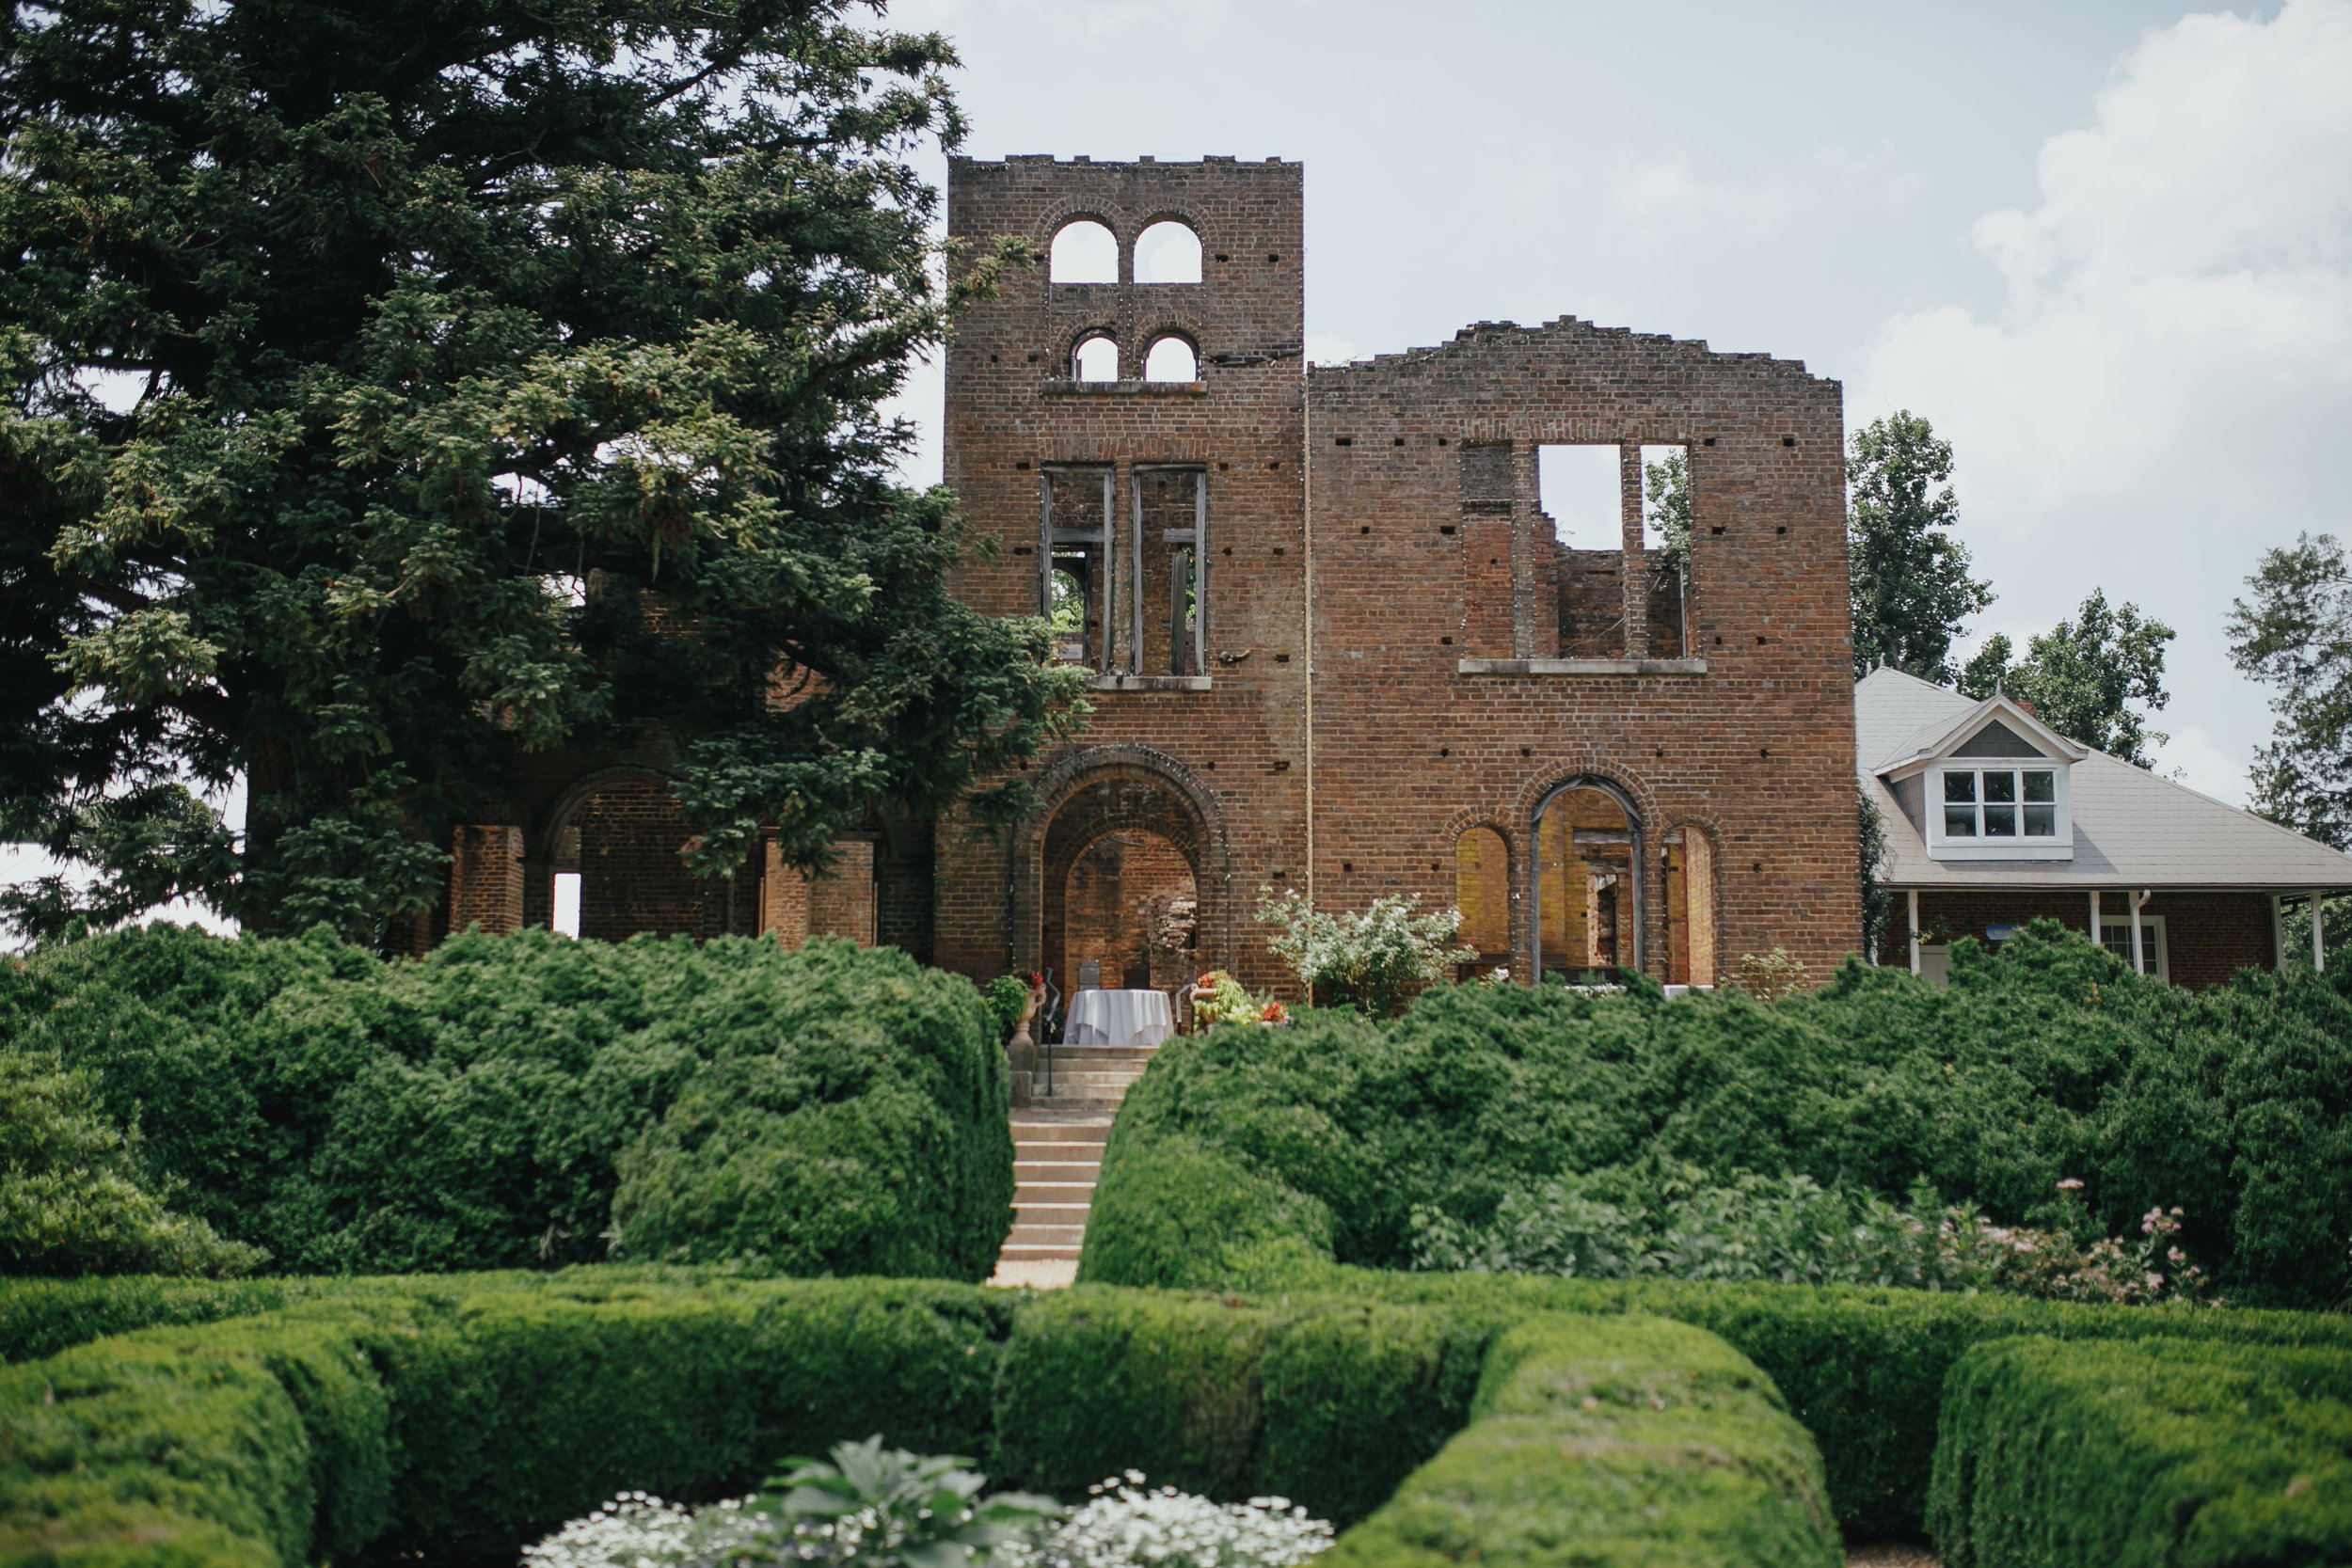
column 612, row 848
column 1129, row 879
column 1587, row 880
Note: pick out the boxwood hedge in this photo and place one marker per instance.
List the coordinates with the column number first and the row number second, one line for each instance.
column 454, row 1423
column 2043, row 1062
column 530, row 1101
column 2055, row 1453
column 1862, row 1368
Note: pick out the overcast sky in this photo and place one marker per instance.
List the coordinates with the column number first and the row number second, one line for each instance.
column 2104, row 248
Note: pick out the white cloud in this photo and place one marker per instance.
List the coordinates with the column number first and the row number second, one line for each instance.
column 2159, row 398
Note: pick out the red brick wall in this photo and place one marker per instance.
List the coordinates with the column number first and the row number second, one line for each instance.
column 1424, row 552
column 2210, row 936
column 486, row 879
column 630, row 877
column 1113, row 896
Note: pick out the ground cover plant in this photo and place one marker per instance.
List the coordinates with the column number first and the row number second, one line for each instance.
column 527, row 1102
column 456, row 1419
column 2042, row 1064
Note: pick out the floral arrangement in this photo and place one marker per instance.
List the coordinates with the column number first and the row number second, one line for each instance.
column 1218, row 998
column 1126, row 1526
column 890, row 1508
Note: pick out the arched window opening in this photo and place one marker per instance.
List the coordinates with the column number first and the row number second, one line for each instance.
column 1690, row 867
column 1481, row 891
column 1587, row 884
column 1167, row 252
column 1172, row 360
column 1095, row 360
column 1083, row 252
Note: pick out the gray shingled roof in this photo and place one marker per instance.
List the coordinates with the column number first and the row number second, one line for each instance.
column 2131, row 828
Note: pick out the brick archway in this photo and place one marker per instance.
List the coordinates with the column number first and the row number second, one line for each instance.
column 1131, row 791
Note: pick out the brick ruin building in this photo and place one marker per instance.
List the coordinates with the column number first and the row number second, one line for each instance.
column 1338, row 646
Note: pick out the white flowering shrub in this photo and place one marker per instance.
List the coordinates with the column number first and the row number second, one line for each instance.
column 888, row 1508
column 1375, row 961
column 871, row 1505
column 1128, row 1525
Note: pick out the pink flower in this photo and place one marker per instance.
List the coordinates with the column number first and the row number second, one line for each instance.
column 2071, row 1185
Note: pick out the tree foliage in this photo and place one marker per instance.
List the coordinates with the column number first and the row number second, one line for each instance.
column 2082, row 675
column 1666, row 493
column 1910, row 585
column 2293, row 631
column 392, row 386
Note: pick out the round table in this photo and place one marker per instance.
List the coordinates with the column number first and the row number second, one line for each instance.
column 1118, row 1017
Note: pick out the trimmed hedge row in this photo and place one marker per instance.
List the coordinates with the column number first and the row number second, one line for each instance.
column 458, row 1423
column 1862, row 1368
column 1612, row 1440
column 2210, row 1456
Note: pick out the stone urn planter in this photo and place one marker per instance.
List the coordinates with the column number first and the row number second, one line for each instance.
column 1021, row 1050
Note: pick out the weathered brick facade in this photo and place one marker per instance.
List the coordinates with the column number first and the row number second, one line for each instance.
column 1333, row 632
column 1378, row 524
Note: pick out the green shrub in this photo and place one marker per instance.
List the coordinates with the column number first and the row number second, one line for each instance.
column 1612, row 1440
column 2056, row 1453
column 453, row 1419
column 2043, row 1062
column 472, row 1110
column 71, row 1202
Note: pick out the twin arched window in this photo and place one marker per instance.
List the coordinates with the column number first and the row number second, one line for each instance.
column 1169, row 359
column 1086, row 251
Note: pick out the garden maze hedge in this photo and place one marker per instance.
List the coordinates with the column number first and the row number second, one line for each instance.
column 457, row 1421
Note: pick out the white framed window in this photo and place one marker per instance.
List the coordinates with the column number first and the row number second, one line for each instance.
column 1985, row 809
column 2116, row 937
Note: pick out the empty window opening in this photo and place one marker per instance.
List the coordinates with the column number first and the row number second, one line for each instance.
column 1666, row 546
column 1083, row 252
column 1078, row 586
column 1167, row 252
column 1689, row 885
column 1171, row 521
column 1172, row 360
column 1587, row 905
column 566, row 920
column 1481, row 891
column 1580, row 491
column 1096, row 358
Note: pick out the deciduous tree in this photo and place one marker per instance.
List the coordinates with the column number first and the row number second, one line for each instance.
column 391, row 386
column 1910, row 577
column 2084, row 675
column 2293, row 631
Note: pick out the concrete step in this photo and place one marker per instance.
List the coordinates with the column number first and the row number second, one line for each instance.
column 1024, row 1252
column 1067, row 1079
column 1092, row 1132
column 1080, row 1192
column 1074, row 1214
column 1055, row 1148
column 1046, row 1235
column 1056, row 1170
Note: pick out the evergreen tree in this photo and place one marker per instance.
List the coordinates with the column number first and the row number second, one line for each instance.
column 2082, row 676
column 394, row 387
column 2294, row 632
column 1910, row 585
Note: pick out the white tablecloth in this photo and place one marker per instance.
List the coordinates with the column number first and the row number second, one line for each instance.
column 1118, row 1017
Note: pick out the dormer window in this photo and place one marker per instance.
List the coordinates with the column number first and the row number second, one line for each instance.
column 1995, row 786
column 2000, row 802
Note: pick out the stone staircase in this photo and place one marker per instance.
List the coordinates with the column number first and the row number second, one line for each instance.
column 1058, row 1154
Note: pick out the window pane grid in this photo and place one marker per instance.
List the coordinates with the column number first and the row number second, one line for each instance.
column 2000, row 803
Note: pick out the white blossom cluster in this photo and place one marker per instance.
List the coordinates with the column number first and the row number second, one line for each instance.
column 1127, row 1527
column 637, row 1530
